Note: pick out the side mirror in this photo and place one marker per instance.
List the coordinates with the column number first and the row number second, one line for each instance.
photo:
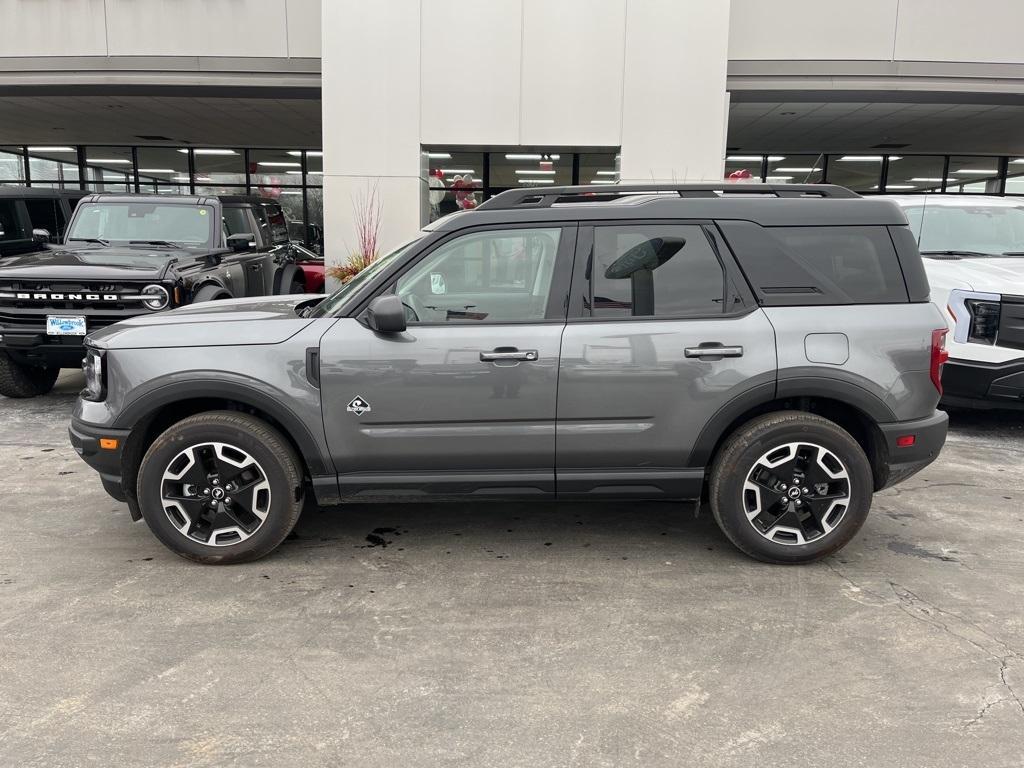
column 386, row 314
column 41, row 235
column 242, row 242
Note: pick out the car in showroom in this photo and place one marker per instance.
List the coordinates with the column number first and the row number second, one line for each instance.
column 973, row 249
column 126, row 255
column 773, row 351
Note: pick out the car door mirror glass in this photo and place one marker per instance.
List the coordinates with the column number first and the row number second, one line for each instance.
column 242, row 241
column 437, row 284
column 41, row 235
column 386, row 314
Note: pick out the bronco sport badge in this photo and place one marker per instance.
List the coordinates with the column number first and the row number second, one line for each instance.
column 358, row 406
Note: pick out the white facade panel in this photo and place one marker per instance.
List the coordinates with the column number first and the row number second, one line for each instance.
column 813, row 29
column 956, row 30
column 572, row 72
column 673, row 123
column 196, row 28
column 52, row 28
column 471, row 72
column 304, row 28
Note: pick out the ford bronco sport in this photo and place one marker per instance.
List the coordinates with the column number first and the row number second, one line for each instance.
column 771, row 349
column 126, row 255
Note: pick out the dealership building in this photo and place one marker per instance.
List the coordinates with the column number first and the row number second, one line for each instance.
column 435, row 105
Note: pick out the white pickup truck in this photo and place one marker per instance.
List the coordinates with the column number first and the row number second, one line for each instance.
column 973, row 248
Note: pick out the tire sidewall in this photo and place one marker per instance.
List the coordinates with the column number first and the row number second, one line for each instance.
column 278, row 466
column 737, row 462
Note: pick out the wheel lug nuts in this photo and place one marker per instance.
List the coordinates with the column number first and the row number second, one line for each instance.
column 785, row 487
column 216, row 481
column 206, row 491
column 807, row 490
column 227, row 500
column 798, row 502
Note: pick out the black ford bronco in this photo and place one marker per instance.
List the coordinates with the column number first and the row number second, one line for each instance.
column 128, row 255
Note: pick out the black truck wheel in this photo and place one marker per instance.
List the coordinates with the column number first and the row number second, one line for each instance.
column 20, row 380
column 790, row 487
column 221, row 487
column 210, row 293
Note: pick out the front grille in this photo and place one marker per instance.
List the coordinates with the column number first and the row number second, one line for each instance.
column 32, row 297
column 1011, row 322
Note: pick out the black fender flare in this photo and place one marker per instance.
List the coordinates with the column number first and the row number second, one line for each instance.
column 221, row 387
column 210, row 292
column 283, row 278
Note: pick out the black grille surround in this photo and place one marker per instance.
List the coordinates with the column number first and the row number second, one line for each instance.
column 1011, row 322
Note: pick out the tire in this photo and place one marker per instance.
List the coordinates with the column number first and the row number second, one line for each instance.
column 210, row 293
column 19, row 380
column 297, row 286
column 239, row 530
column 769, row 518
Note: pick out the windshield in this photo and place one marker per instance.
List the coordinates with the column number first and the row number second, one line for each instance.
column 332, row 303
column 152, row 223
column 982, row 230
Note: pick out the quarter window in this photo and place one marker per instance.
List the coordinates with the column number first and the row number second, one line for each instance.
column 654, row 271
column 10, row 226
column 496, row 276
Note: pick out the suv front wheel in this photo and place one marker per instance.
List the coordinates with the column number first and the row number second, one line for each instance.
column 220, row 487
column 18, row 380
column 790, row 487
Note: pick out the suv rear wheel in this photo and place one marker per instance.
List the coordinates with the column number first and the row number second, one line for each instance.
column 790, row 487
column 220, row 487
column 19, row 380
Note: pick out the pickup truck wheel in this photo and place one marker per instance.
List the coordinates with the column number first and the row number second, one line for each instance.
column 210, row 293
column 221, row 487
column 297, row 286
column 19, row 380
column 790, row 487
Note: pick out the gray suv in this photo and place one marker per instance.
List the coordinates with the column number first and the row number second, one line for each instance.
column 770, row 349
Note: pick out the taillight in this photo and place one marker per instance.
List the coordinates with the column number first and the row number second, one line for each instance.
column 939, row 356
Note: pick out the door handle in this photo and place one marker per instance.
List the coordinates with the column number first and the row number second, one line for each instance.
column 526, row 355
column 713, row 350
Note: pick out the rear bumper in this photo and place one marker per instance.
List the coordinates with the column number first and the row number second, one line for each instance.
column 85, row 439
column 971, row 384
column 896, row 462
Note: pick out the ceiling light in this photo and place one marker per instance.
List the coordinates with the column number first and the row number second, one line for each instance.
column 314, row 153
column 1019, row 160
column 921, row 178
column 315, row 173
column 536, row 181
column 976, row 170
column 797, row 170
column 52, row 149
column 110, row 161
column 602, row 181
column 294, row 173
column 291, row 192
column 115, row 178
column 457, row 170
column 210, row 151
column 607, row 173
column 744, row 158
column 533, row 172
column 900, row 186
column 439, row 155
column 275, row 164
column 867, row 158
column 157, row 170
column 780, row 178
column 524, row 157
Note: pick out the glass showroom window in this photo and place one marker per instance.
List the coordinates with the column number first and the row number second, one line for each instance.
column 219, row 171
column 1015, row 176
column 599, row 168
column 55, row 166
column 12, row 165
column 973, row 175
column 514, row 170
column 795, row 169
column 915, row 173
column 163, row 170
column 109, row 169
column 455, row 181
column 272, row 168
column 861, row 173
column 741, row 167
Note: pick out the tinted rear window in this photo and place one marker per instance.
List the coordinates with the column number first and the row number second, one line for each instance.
column 818, row 265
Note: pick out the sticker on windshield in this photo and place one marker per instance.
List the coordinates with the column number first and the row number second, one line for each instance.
column 358, row 406
column 202, row 211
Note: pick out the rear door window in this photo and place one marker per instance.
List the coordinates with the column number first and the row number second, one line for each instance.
column 10, row 222
column 656, row 270
column 48, row 215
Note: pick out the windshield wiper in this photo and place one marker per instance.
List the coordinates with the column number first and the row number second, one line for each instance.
column 1013, row 253
column 968, row 254
column 167, row 243
column 99, row 240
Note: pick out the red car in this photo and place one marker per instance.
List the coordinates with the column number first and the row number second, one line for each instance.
column 312, row 268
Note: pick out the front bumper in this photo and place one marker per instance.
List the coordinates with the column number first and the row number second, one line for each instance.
column 974, row 384
column 898, row 462
column 85, row 439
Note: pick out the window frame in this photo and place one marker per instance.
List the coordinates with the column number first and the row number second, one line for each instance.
column 558, row 293
column 737, row 298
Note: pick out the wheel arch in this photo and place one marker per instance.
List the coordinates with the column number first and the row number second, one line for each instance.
column 283, row 278
column 210, row 290
column 858, row 412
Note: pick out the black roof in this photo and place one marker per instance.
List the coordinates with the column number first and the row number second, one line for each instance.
column 768, row 205
column 178, row 199
column 43, row 192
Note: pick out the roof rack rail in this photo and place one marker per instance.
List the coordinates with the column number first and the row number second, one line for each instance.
column 545, row 197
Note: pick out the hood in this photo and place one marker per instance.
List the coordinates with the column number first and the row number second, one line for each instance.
column 230, row 322
column 994, row 275
column 101, row 263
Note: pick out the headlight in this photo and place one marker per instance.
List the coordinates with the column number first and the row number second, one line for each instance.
column 977, row 316
column 95, row 379
column 160, row 297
